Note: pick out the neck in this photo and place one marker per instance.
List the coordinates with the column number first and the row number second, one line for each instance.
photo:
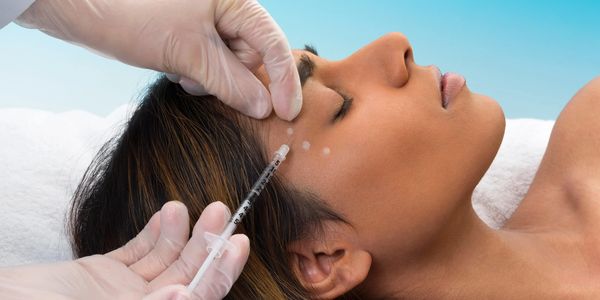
column 470, row 260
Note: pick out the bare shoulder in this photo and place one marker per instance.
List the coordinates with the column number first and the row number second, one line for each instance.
column 566, row 187
column 572, row 160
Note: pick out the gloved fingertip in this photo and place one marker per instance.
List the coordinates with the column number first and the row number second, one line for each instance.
column 173, row 77
column 174, row 207
column 213, row 219
column 220, row 205
column 295, row 107
column 287, row 101
column 176, row 203
column 260, row 106
column 227, row 213
column 242, row 242
column 192, row 87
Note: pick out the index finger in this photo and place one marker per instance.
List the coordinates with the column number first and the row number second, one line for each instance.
column 258, row 29
column 213, row 219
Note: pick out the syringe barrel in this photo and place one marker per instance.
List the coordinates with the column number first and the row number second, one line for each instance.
column 260, row 184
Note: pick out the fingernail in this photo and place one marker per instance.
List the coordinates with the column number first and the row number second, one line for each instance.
column 227, row 213
column 175, row 203
column 192, row 87
column 173, row 77
column 286, row 102
column 296, row 106
column 181, row 296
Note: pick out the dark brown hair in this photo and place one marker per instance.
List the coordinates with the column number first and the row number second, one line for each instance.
column 195, row 150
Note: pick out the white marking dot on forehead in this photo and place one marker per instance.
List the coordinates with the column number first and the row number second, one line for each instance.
column 305, row 145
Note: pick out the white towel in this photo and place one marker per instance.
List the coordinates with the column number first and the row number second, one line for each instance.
column 43, row 156
column 503, row 186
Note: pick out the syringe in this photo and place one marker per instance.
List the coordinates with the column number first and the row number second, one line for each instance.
column 216, row 245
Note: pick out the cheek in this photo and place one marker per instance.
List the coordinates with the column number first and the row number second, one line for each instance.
column 386, row 136
column 371, row 156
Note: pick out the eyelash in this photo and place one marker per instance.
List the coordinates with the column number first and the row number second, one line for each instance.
column 344, row 108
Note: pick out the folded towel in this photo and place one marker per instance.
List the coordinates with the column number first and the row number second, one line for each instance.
column 504, row 185
column 43, row 156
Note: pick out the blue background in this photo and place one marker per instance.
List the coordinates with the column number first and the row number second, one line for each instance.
column 531, row 56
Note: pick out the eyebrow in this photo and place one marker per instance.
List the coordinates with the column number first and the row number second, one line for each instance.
column 306, row 66
column 311, row 49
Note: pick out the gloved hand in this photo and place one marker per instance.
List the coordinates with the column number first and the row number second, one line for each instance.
column 214, row 45
column 155, row 265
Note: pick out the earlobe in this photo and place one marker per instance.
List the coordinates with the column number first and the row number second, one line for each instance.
column 329, row 268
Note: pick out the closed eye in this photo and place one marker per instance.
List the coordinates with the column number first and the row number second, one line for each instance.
column 343, row 108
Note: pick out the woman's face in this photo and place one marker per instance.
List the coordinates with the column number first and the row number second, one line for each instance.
column 396, row 163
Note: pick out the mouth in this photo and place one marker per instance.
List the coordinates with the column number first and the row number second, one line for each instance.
column 438, row 79
column 450, row 84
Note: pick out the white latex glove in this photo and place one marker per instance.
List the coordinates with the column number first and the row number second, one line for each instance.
column 189, row 38
column 155, row 265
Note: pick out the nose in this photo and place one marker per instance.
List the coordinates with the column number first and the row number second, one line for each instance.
column 385, row 60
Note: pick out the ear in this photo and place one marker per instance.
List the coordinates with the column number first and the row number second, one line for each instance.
column 330, row 266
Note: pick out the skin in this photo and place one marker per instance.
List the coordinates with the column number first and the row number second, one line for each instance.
column 402, row 170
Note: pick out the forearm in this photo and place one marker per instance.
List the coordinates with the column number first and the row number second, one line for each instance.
column 74, row 21
column 9, row 10
column 54, row 18
column 47, row 281
column 103, row 26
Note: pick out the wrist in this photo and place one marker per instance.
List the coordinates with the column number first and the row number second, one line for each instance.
column 47, row 281
column 39, row 14
column 68, row 20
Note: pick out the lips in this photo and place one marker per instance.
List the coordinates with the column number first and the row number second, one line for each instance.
column 450, row 84
column 438, row 77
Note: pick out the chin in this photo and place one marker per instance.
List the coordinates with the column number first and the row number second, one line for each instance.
column 494, row 126
column 487, row 128
column 497, row 119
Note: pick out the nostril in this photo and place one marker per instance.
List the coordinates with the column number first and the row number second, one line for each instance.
column 408, row 55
